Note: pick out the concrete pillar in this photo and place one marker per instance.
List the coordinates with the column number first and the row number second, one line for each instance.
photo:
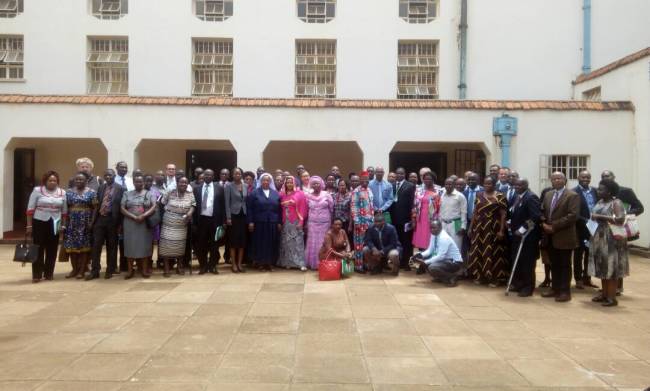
column 121, row 149
column 376, row 152
column 6, row 185
column 249, row 151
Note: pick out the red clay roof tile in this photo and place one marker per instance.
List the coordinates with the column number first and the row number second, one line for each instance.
column 614, row 65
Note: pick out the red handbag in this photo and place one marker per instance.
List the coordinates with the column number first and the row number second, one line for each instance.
column 329, row 269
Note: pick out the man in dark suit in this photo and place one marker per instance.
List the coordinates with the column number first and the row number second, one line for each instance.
column 400, row 214
column 560, row 211
column 588, row 199
column 106, row 222
column 632, row 206
column 525, row 214
column 210, row 214
column 381, row 246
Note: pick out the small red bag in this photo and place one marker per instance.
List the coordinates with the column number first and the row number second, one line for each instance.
column 329, row 269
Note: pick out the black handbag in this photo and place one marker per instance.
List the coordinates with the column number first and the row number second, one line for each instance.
column 26, row 252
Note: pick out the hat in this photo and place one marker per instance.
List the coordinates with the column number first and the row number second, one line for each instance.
column 364, row 173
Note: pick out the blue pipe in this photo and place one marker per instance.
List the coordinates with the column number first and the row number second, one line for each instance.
column 586, row 36
column 462, row 85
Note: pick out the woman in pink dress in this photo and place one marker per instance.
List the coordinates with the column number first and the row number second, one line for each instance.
column 292, row 239
column 320, row 206
column 427, row 207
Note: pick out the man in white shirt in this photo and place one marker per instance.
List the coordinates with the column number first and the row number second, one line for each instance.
column 170, row 177
column 121, row 179
column 453, row 212
column 442, row 259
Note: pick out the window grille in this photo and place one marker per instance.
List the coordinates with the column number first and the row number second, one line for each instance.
column 592, row 94
column 315, row 69
column 108, row 66
column 213, row 10
column 212, row 67
column 11, row 58
column 10, row 8
column 316, row 11
column 570, row 165
column 418, row 11
column 417, row 70
column 109, row 9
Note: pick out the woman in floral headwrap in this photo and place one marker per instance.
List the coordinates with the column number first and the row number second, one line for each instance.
column 321, row 206
column 427, row 207
column 292, row 238
column 362, row 217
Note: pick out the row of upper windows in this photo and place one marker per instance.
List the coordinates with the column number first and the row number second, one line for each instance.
column 107, row 65
column 310, row 11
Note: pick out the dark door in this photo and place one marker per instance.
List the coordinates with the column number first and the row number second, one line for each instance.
column 213, row 159
column 24, row 183
column 413, row 161
column 469, row 160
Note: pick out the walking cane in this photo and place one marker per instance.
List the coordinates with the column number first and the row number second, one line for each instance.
column 531, row 225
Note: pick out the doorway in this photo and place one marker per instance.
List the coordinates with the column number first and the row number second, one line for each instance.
column 413, row 161
column 24, row 183
column 212, row 159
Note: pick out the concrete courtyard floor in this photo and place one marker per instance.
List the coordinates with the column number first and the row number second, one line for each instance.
column 287, row 331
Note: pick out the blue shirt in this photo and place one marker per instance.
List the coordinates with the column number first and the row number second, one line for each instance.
column 586, row 193
column 441, row 247
column 382, row 193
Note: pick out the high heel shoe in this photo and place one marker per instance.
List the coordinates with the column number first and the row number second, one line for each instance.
column 233, row 268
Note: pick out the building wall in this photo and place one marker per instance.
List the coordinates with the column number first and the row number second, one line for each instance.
column 250, row 129
column 518, row 49
column 630, row 83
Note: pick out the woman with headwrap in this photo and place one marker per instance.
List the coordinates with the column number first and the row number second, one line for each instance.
column 264, row 222
column 294, row 214
column 320, row 208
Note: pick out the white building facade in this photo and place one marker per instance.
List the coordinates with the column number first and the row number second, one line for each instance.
column 347, row 82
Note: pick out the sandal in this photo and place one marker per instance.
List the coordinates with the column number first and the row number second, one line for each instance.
column 598, row 299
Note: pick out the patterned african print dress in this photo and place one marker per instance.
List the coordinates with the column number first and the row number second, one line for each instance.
column 427, row 208
column 320, row 207
column 362, row 216
column 292, row 239
column 608, row 256
column 173, row 232
column 487, row 254
column 77, row 236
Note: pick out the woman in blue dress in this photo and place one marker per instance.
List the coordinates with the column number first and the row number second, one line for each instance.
column 82, row 202
column 263, row 214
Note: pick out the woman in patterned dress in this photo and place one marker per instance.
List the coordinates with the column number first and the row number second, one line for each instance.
column 608, row 258
column 427, row 207
column 336, row 244
column 292, row 238
column 361, row 217
column 320, row 206
column 82, row 202
column 342, row 200
column 179, row 206
column 487, row 253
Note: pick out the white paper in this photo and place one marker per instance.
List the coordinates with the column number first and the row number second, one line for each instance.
column 592, row 226
column 408, row 227
column 521, row 230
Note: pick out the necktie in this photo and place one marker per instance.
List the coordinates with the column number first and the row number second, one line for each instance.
column 380, row 197
column 435, row 245
column 470, row 202
column 204, row 203
column 556, row 196
column 381, row 243
column 123, row 182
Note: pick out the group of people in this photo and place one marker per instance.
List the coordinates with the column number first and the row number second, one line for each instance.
column 379, row 222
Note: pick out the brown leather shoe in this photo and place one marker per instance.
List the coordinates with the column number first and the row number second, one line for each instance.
column 563, row 297
column 550, row 293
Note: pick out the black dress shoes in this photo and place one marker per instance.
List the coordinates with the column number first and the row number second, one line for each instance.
column 550, row 293
column 92, row 276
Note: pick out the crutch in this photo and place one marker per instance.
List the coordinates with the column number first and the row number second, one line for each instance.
column 521, row 245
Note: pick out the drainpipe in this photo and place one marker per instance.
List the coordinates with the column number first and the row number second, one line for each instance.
column 586, row 36
column 462, row 86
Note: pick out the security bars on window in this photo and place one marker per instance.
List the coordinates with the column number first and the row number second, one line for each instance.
column 108, row 66
column 417, row 68
column 316, row 11
column 10, row 8
column 570, row 165
column 109, row 9
column 11, row 58
column 212, row 67
column 213, row 10
column 418, row 11
column 315, row 69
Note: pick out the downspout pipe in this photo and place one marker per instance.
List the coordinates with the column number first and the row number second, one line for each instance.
column 462, row 86
column 586, row 36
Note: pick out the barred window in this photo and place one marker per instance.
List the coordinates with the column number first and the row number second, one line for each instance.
column 213, row 10
column 212, row 67
column 570, row 165
column 315, row 69
column 418, row 11
column 417, row 70
column 11, row 58
column 110, row 9
column 10, row 8
column 316, row 11
column 108, row 66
